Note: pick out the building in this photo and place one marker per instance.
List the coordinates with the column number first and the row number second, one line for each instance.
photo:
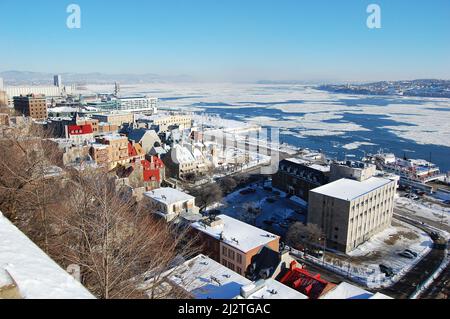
column 80, row 134
column 170, row 203
column 298, row 176
column 182, row 162
column 137, row 103
column 114, row 146
column 147, row 138
column 26, row 272
column 301, row 280
column 203, row 278
column 117, row 119
column 49, row 91
column 232, row 242
column 3, row 98
column 350, row 212
column 4, row 119
column 162, row 123
column 358, row 171
column 2, row 86
column 57, row 81
column 348, row 291
column 34, row 106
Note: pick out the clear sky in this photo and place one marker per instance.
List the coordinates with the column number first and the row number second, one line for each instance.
column 230, row 39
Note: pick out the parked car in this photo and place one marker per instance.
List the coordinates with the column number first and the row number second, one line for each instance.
column 411, row 252
column 247, row 191
column 387, row 270
column 276, row 193
column 271, row 200
column 435, row 236
column 268, row 222
column 268, row 188
column 447, row 202
column 405, row 254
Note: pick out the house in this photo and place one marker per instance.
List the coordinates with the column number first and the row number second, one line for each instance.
column 232, row 242
column 80, row 134
column 146, row 138
column 170, row 203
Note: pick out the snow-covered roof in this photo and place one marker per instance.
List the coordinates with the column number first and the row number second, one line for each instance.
column 349, row 189
column 205, row 278
column 181, row 155
column 36, row 275
column 168, row 196
column 347, row 291
column 272, row 289
column 237, row 234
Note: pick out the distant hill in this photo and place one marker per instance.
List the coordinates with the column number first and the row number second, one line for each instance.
column 41, row 78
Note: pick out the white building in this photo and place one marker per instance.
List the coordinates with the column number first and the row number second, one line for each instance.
column 350, row 212
column 171, row 203
column 137, row 103
column 348, row 291
column 203, row 278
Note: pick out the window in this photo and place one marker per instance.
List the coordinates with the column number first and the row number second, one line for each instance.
column 239, row 258
column 239, row 270
column 224, row 250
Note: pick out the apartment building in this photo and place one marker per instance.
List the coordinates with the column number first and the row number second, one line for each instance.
column 297, row 176
column 233, row 243
column 358, row 171
column 350, row 212
column 110, row 150
column 34, row 106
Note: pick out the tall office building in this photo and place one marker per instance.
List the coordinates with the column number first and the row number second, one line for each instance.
column 1, row 84
column 57, row 80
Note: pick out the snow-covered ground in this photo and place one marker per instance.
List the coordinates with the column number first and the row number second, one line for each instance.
column 428, row 210
column 362, row 264
column 236, row 205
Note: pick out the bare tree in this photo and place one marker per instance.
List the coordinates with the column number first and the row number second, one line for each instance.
column 300, row 235
column 115, row 242
column 228, row 184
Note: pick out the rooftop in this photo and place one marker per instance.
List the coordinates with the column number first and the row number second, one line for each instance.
column 168, row 196
column 35, row 274
column 347, row 291
column 235, row 233
column 348, row 189
column 205, row 278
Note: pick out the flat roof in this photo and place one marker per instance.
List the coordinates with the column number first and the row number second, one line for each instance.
column 36, row 275
column 237, row 234
column 205, row 278
column 309, row 163
column 348, row 291
column 349, row 189
column 273, row 289
column 167, row 195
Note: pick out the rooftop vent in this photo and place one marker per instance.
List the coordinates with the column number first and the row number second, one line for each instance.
column 248, row 290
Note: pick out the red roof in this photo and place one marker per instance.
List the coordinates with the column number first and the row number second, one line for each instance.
column 80, row 129
column 152, row 170
column 304, row 282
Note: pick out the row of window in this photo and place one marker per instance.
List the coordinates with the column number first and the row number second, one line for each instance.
column 231, row 266
column 232, row 255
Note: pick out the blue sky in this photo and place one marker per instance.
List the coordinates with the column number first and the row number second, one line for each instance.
column 230, row 40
